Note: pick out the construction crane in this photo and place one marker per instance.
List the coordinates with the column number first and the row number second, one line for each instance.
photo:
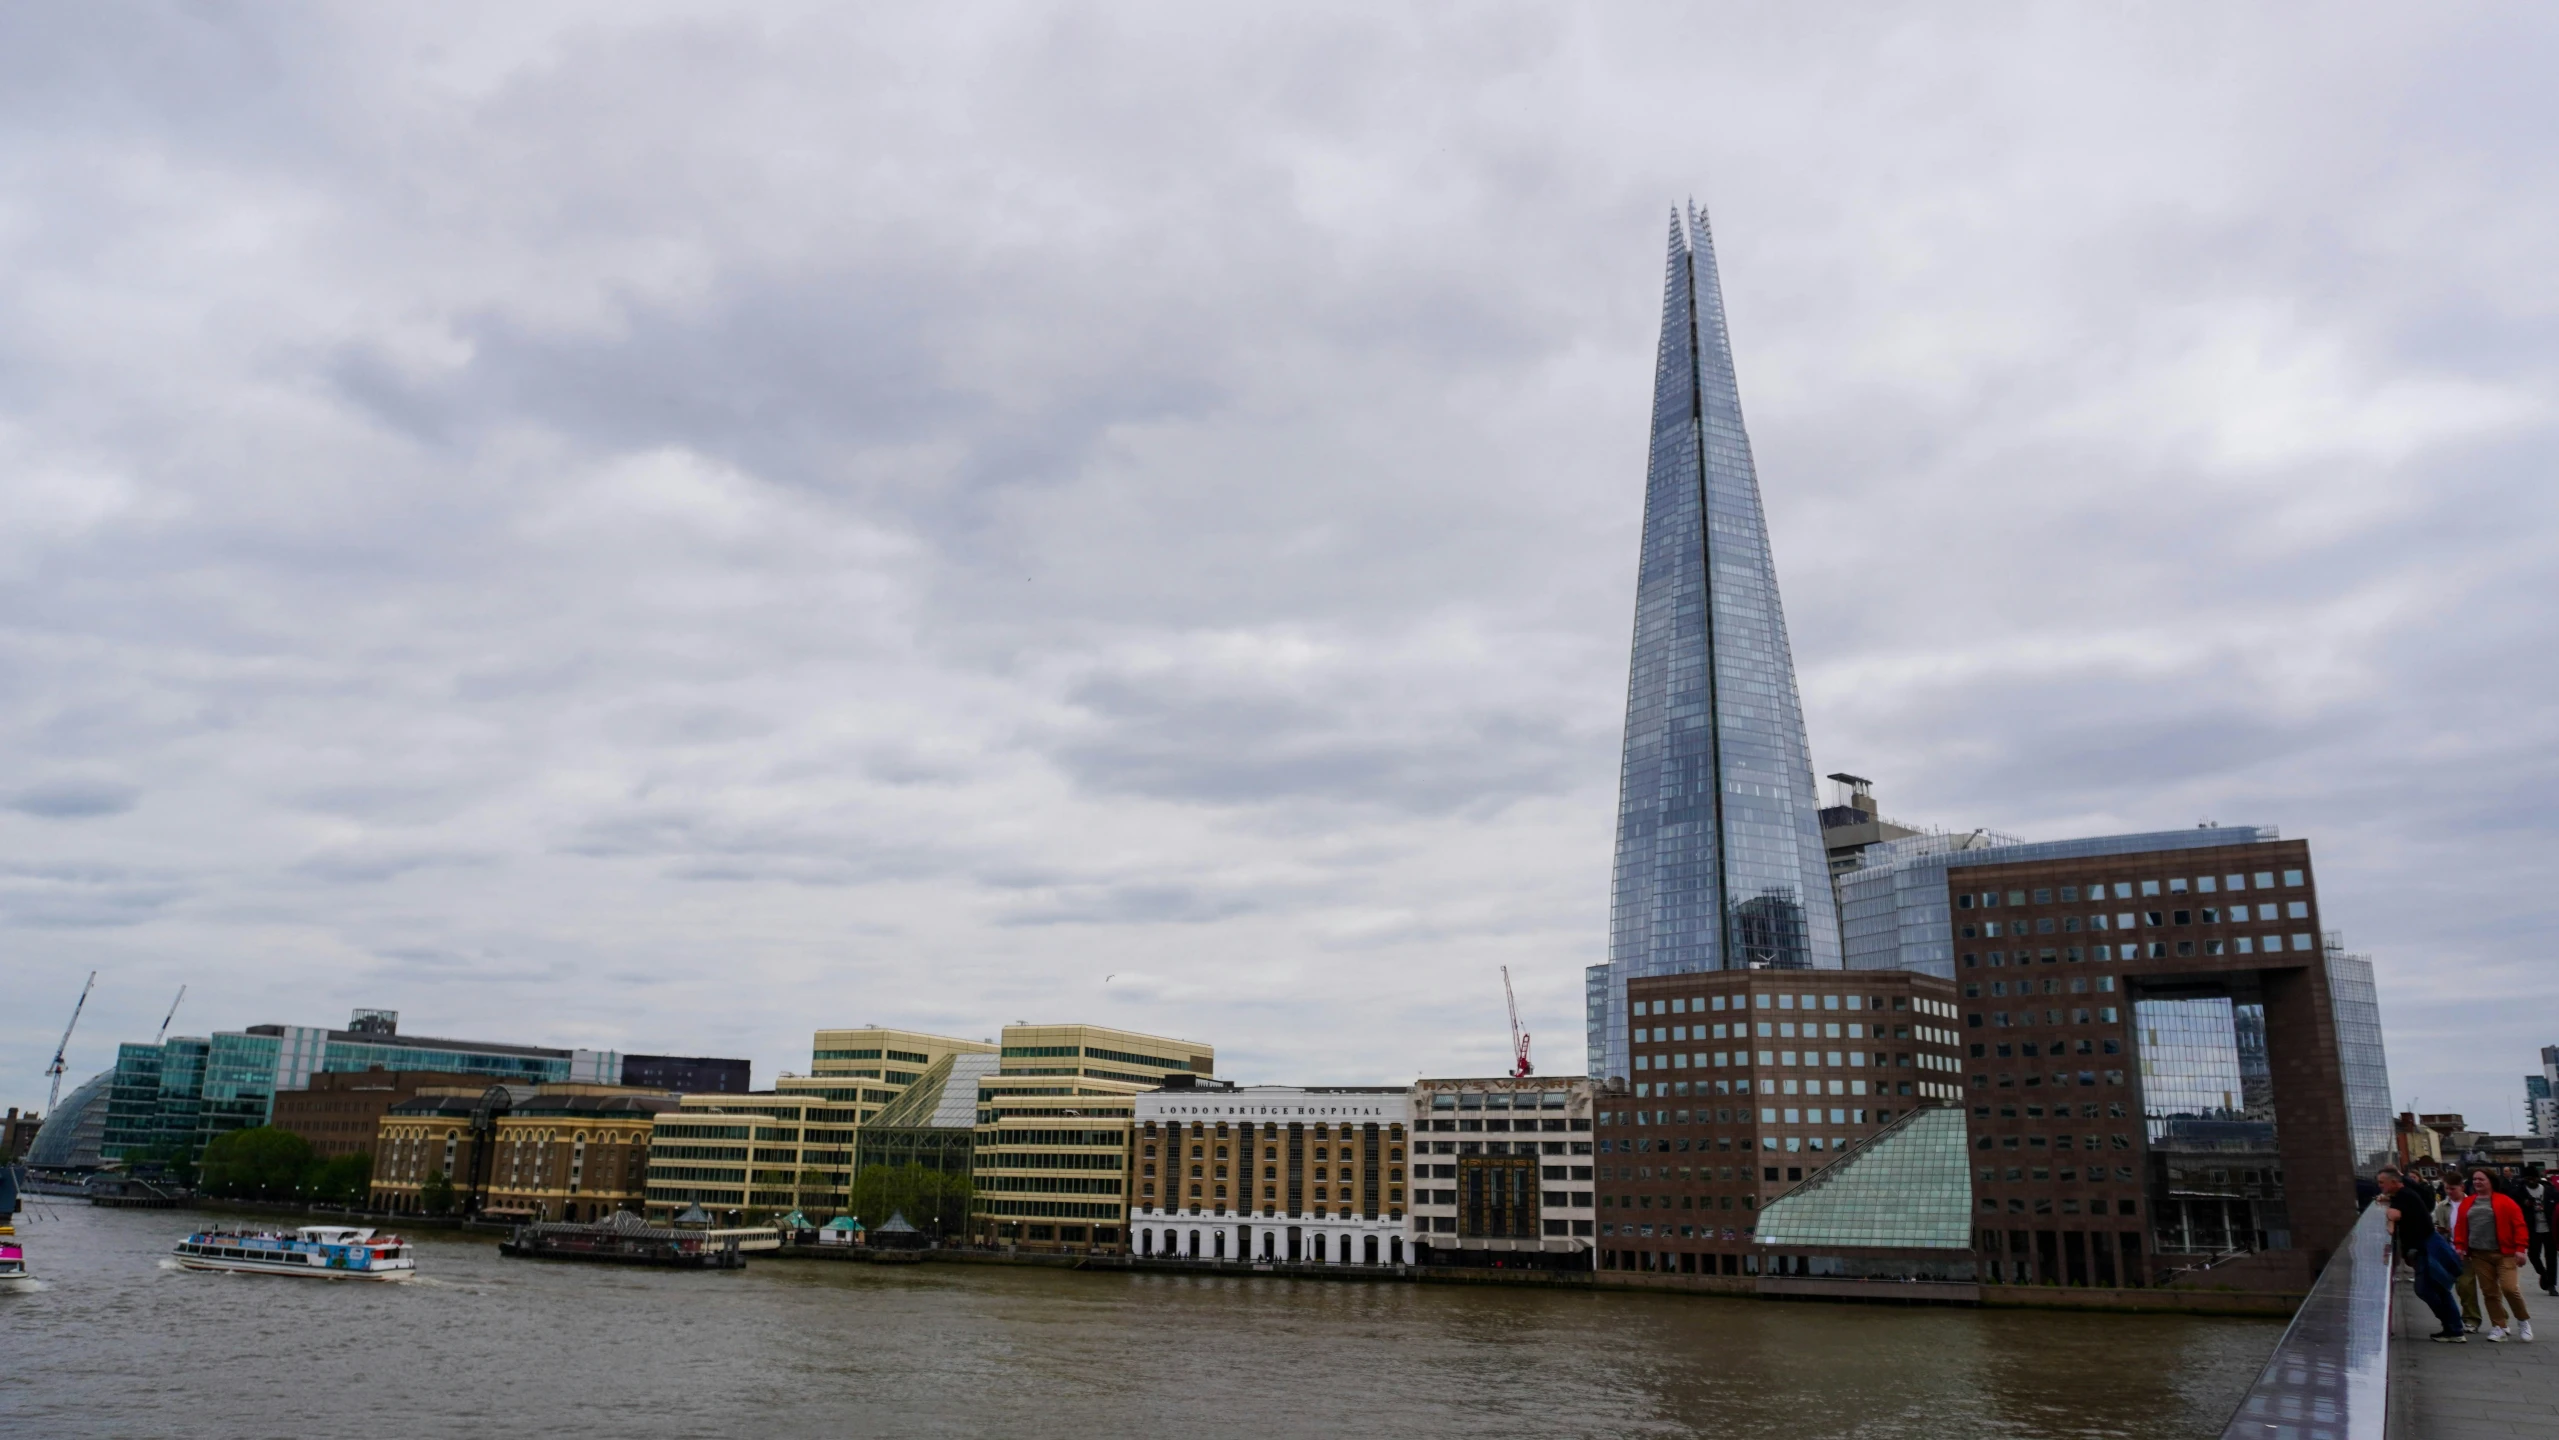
column 57, row 1067
column 172, row 1015
column 1519, row 1038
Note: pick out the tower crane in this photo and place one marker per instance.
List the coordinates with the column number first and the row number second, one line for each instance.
column 56, row 1068
column 172, row 1015
column 1519, row 1038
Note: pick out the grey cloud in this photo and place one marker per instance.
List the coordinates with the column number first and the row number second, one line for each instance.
column 70, row 895
column 1132, row 904
column 1224, row 746
column 367, row 863
column 1173, row 488
column 74, row 799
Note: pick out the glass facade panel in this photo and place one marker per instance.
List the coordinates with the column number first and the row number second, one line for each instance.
column 1908, row 1188
column 133, row 1102
column 343, row 1055
column 1719, row 851
column 239, row 1084
column 2207, row 1089
column 2356, row 1003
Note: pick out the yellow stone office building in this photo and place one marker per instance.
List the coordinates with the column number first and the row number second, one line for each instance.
column 790, row 1148
column 1053, row 1125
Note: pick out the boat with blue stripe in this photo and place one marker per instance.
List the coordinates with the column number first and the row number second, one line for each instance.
column 316, row 1252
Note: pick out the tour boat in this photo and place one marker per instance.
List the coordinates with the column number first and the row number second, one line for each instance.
column 13, row 1256
column 13, row 1261
column 325, row 1252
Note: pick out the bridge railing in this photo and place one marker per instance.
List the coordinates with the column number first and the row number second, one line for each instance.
column 2329, row 1378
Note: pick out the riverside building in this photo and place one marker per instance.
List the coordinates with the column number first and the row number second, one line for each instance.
column 873, row 1065
column 1269, row 1173
column 573, row 1152
column 794, row 1147
column 1746, row 1084
column 1720, row 861
column 1502, row 1172
column 439, row 1140
column 1053, row 1126
column 172, row 1098
column 341, row 1113
column 745, row 1156
column 2155, row 1074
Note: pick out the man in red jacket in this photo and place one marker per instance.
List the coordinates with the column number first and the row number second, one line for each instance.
column 2489, row 1228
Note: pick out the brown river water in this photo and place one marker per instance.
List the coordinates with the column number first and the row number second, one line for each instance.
column 117, row 1342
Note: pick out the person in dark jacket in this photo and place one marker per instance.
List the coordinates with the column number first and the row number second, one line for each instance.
column 2412, row 1228
column 2540, row 1202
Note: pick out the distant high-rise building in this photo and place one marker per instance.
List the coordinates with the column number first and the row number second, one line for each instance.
column 1853, row 826
column 2541, row 1095
column 1720, row 859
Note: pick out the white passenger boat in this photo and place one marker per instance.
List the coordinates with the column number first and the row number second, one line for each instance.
column 322, row 1252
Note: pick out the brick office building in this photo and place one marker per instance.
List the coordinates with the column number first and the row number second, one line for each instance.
column 2153, row 1067
column 342, row 1110
column 1745, row 1083
column 573, row 1152
column 2153, row 1074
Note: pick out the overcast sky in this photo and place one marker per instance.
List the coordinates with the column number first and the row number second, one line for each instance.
column 663, row 528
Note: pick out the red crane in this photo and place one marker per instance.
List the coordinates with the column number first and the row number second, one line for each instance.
column 1519, row 1038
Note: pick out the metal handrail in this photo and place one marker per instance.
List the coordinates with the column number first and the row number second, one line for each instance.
column 2329, row 1378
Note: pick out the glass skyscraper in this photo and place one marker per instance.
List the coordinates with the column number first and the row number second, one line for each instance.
column 1720, row 862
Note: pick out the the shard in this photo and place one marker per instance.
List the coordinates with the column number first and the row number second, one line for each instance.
column 1720, row 862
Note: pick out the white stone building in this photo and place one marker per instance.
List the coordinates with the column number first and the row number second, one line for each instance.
column 1269, row 1174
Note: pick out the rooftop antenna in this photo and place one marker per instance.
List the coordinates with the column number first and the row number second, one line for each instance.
column 172, row 1015
column 55, row 1069
column 1519, row 1038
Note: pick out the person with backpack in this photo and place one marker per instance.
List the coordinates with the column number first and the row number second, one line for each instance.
column 2413, row 1239
column 2489, row 1229
column 2465, row 1288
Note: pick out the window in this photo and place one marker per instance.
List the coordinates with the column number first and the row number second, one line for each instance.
column 2292, row 877
column 2265, row 880
column 2043, row 897
column 2297, row 909
column 2149, row 887
column 2204, row 884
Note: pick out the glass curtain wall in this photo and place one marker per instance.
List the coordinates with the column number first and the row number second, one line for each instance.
column 1719, row 852
column 2216, row 1179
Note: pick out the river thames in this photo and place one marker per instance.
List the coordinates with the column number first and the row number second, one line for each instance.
column 117, row 1342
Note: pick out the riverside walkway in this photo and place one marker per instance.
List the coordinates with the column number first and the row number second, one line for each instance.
column 2476, row 1391
column 2355, row 1364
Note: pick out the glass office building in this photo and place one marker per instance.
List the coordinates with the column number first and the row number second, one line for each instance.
column 176, row 1096
column 2356, row 1003
column 1720, row 863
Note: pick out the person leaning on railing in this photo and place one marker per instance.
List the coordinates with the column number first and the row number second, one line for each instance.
column 2489, row 1228
column 2413, row 1239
